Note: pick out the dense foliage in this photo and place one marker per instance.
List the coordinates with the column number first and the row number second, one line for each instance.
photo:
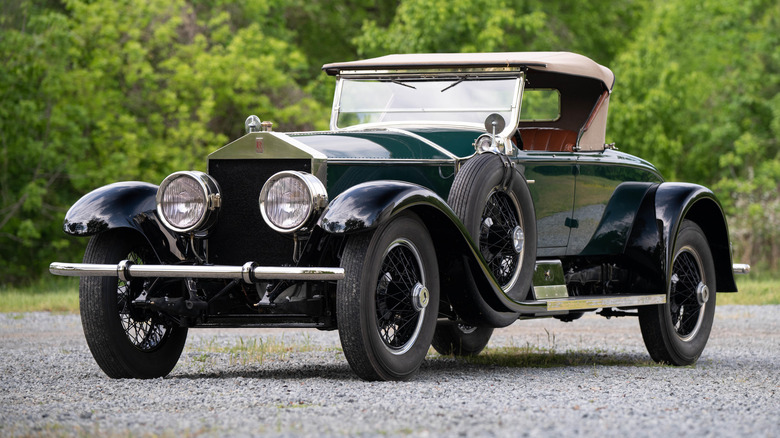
column 97, row 91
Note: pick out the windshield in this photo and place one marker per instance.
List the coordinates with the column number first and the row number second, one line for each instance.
column 461, row 99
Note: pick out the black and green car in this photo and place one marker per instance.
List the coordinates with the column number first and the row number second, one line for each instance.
column 453, row 194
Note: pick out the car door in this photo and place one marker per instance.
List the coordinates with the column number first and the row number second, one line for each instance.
column 551, row 181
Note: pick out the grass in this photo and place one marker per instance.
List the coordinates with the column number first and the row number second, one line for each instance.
column 756, row 288
column 60, row 294
column 243, row 352
column 48, row 294
column 252, row 350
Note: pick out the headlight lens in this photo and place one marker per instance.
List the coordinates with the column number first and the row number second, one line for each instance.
column 483, row 143
column 290, row 199
column 188, row 201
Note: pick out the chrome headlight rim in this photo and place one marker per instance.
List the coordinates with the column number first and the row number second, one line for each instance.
column 317, row 199
column 211, row 194
column 489, row 143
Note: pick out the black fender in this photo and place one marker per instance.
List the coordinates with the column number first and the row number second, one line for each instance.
column 618, row 220
column 129, row 204
column 366, row 206
column 654, row 232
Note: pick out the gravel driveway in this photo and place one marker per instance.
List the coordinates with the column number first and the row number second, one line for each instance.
column 50, row 385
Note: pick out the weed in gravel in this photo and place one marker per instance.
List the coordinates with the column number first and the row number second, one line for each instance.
column 252, row 350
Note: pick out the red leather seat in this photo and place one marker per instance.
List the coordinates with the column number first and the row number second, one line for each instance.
column 548, row 139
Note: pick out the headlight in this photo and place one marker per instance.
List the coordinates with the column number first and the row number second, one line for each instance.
column 483, row 143
column 290, row 199
column 188, row 201
column 489, row 143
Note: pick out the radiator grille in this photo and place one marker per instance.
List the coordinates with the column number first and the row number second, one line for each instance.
column 240, row 234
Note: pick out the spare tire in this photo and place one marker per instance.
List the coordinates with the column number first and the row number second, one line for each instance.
column 492, row 199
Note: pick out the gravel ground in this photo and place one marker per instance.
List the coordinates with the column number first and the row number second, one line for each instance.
column 50, row 385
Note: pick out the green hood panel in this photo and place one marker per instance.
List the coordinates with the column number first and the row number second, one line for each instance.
column 458, row 141
column 370, row 145
column 376, row 144
column 390, row 144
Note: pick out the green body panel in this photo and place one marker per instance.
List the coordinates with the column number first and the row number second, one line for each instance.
column 598, row 177
column 437, row 177
column 552, row 189
column 571, row 191
column 372, row 145
column 458, row 141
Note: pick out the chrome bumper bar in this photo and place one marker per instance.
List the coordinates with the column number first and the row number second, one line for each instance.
column 249, row 272
column 740, row 268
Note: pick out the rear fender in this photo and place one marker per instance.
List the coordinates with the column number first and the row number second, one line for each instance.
column 366, row 206
column 654, row 233
column 129, row 205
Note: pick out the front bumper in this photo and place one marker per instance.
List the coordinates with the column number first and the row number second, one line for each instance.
column 250, row 272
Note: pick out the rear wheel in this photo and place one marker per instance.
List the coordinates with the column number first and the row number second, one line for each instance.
column 387, row 305
column 677, row 331
column 460, row 339
column 126, row 342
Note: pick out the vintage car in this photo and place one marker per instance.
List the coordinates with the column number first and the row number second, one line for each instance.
column 453, row 194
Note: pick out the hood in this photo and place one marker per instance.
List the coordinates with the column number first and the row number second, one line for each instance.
column 375, row 144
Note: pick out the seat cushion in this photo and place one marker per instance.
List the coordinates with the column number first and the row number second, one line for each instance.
column 548, row 139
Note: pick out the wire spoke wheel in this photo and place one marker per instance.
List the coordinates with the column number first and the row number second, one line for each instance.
column 500, row 223
column 387, row 304
column 398, row 321
column 125, row 340
column 140, row 327
column 492, row 199
column 676, row 332
column 686, row 311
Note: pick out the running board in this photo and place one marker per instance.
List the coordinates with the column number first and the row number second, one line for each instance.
column 597, row 302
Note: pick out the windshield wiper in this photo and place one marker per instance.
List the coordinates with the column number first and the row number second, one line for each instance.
column 455, row 83
column 395, row 81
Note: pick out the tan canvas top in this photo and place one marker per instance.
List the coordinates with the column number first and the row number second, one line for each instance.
column 560, row 62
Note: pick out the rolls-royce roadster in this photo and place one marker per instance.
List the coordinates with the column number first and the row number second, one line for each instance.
column 454, row 194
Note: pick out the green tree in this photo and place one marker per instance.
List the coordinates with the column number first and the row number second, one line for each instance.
column 699, row 95
column 596, row 29
column 129, row 90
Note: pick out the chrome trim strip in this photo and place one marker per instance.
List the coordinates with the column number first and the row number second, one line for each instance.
column 581, row 303
column 181, row 271
column 443, row 71
column 741, row 268
column 424, row 140
column 315, row 154
column 391, row 161
column 375, row 126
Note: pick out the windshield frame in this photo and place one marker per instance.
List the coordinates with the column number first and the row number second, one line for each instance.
column 454, row 76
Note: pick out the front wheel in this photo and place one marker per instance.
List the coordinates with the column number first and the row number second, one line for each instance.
column 677, row 331
column 126, row 342
column 387, row 304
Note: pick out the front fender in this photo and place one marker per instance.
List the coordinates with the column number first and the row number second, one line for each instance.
column 366, row 206
column 655, row 228
column 129, row 204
